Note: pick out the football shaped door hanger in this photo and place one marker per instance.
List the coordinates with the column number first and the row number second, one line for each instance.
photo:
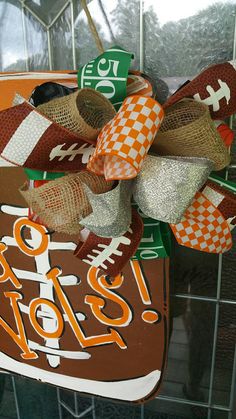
column 65, row 322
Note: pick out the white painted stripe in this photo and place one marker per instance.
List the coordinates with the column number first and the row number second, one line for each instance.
column 26, row 137
column 65, row 354
column 37, row 76
column 10, row 241
column 34, row 276
column 225, row 185
column 11, row 210
column 132, row 389
column 41, row 314
column 104, row 78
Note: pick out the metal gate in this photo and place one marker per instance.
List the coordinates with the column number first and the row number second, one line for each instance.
column 200, row 381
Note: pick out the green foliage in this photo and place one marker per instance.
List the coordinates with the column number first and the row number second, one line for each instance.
column 180, row 48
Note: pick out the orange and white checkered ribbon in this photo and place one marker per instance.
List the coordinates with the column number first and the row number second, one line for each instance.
column 203, row 227
column 124, row 142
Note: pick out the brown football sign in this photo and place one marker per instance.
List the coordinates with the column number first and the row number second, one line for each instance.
column 68, row 324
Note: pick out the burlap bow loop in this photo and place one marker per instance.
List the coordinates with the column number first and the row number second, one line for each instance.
column 188, row 130
column 32, row 140
column 166, row 185
column 62, row 203
column 124, row 142
column 208, row 221
column 84, row 112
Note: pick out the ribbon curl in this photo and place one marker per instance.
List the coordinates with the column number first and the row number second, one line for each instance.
column 215, row 87
column 31, row 140
column 111, row 216
column 166, row 185
column 124, row 142
column 207, row 223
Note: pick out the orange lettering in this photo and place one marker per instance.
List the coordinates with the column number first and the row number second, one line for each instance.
column 7, row 272
column 112, row 337
column 20, row 338
column 33, row 307
column 142, row 286
column 101, row 286
column 19, row 225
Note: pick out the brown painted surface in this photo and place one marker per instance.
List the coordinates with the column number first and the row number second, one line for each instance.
column 146, row 343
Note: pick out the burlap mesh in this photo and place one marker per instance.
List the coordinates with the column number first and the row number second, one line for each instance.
column 188, row 130
column 84, row 112
column 62, row 203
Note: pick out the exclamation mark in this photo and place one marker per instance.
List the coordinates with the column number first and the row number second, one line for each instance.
column 149, row 316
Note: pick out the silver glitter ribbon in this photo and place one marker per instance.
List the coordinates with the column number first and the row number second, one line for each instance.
column 111, row 216
column 166, row 186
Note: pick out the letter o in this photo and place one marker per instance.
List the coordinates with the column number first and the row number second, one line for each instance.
column 17, row 231
column 33, row 307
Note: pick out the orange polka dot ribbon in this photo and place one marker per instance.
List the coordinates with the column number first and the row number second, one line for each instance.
column 203, row 227
column 123, row 143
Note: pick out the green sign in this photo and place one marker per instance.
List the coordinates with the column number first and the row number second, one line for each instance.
column 156, row 240
column 107, row 74
column 40, row 175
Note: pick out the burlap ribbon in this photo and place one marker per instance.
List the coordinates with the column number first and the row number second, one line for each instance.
column 62, row 203
column 166, row 185
column 215, row 87
column 84, row 112
column 111, row 254
column 226, row 133
column 124, row 142
column 187, row 130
